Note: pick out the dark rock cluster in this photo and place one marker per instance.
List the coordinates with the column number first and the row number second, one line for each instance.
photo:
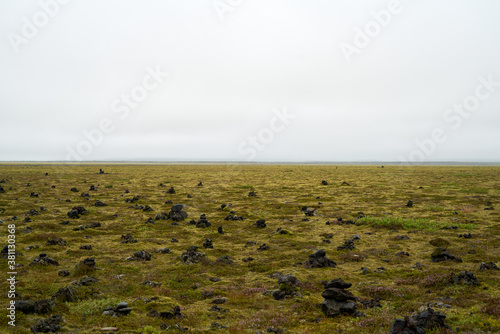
column 127, row 239
column 261, row 223
column 338, row 300
column 120, row 310
column 191, row 255
column 176, row 214
column 76, row 211
column 319, row 260
column 203, row 222
column 419, row 323
column 441, row 254
column 488, row 266
column 464, row 277
column 288, row 287
column 309, row 211
column 44, row 260
column 49, row 325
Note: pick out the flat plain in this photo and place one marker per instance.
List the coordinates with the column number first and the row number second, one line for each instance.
column 223, row 289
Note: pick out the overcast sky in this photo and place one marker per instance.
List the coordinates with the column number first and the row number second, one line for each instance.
column 250, row 80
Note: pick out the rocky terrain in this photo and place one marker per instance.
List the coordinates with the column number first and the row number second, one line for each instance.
column 252, row 248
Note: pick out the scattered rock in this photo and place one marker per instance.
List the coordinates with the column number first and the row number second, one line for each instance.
column 324, row 183
column 309, row 211
column 219, row 300
column 49, row 325
column 151, row 284
column 217, row 326
column 65, row 294
column 86, row 265
column 225, row 259
column 191, row 255
column 56, row 242
column 419, row 323
column 441, row 254
column 261, row 223
column 99, row 204
column 319, row 260
column 175, row 313
column 288, row 287
column 488, row 266
column 128, row 239
column 409, row 203
column 76, row 211
column 233, row 217
column 338, row 300
column 370, row 303
column 464, row 277
column 348, row 244
column 465, row 235
column 63, row 273
column 220, row 230
column 203, row 222
column 44, row 260
column 263, row 247
column 141, row 256
column 32, row 212
column 171, row 190
column 121, row 309
column 147, row 208
column 208, row 243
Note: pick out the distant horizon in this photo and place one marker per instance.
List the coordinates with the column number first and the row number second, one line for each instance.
column 358, row 162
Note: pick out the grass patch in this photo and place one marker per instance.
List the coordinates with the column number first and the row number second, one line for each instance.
column 91, row 307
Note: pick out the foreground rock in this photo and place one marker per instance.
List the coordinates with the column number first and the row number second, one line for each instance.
column 338, row 300
column 419, row 323
column 319, row 260
column 49, row 325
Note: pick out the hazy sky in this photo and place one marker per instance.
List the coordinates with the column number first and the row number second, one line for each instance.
column 250, row 80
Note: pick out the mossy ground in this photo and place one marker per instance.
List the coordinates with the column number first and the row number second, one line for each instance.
column 449, row 196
